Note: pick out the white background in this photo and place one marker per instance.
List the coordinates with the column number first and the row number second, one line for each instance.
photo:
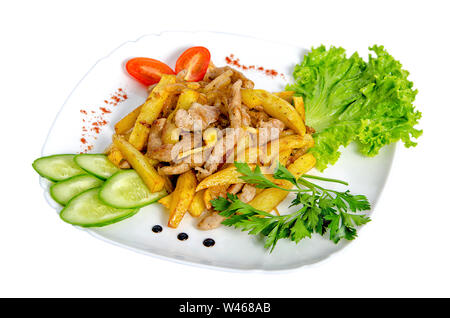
column 47, row 47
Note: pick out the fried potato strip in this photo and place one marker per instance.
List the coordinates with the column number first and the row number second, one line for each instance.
column 269, row 199
column 150, row 111
column 286, row 95
column 182, row 197
column 140, row 163
column 275, row 107
column 195, row 209
column 127, row 122
column 226, row 176
column 299, row 106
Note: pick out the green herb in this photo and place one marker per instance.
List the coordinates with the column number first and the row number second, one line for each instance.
column 321, row 209
column 348, row 99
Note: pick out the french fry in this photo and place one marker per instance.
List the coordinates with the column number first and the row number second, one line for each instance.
column 268, row 199
column 225, row 176
column 182, row 198
column 127, row 122
column 299, row 106
column 214, row 192
column 165, row 201
column 115, row 156
column 186, row 99
column 275, row 107
column 140, row 163
column 197, row 205
column 286, row 95
column 150, row 111
column 207, row 197
column 195, row 209
column 167, row 183
column 287, row 144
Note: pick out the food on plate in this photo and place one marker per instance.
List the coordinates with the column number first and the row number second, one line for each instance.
column 322, row 211
column 140, row 163
column 182, row 197
column 268, row 199
column 348, row 99
column 87, row 210
column 150, row 111
column 96, row 164
column 147, row 71
column 57, row 167
column 208, row 143
column 274, row 106
column 126, row 190
column 193, row 63
column 299, row 106
column 65, row 190
column 127, row 123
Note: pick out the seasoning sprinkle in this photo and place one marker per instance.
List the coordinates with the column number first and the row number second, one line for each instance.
column 95, row 120
column 232, row 60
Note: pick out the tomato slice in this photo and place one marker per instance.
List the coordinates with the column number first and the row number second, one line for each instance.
column 195, row 61
column 146, row 70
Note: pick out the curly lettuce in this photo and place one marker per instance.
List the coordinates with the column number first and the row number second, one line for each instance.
column 350, row 100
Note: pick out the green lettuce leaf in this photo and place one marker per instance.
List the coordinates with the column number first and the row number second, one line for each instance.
column 350, row 100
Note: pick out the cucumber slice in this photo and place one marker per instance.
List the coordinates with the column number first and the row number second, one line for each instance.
column 96, row 164
column 88, row 211
column 125, row 189
column 57, row 167
column 65, row 190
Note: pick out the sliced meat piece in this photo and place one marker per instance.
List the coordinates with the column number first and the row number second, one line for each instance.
column 202, row 173
column 183, row 119
column 176, row 169
column 204, row 113
column 211, row 221
column 247, row 194
column 235, row 188
column 272, row 123
column 222, row 80
column 213, row 73
column 257, row 116
column 245, row 116
column 171, row 152
column 154, row 137
column 223, row 146
column 234, row 108
column 161, row 153
column 188, row 142
column 269, row 130
column 198, row 117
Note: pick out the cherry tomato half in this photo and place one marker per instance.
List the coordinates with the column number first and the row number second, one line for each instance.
column 147, row 71
column 195, row 61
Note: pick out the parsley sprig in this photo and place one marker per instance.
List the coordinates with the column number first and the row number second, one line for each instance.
column 320, row 210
